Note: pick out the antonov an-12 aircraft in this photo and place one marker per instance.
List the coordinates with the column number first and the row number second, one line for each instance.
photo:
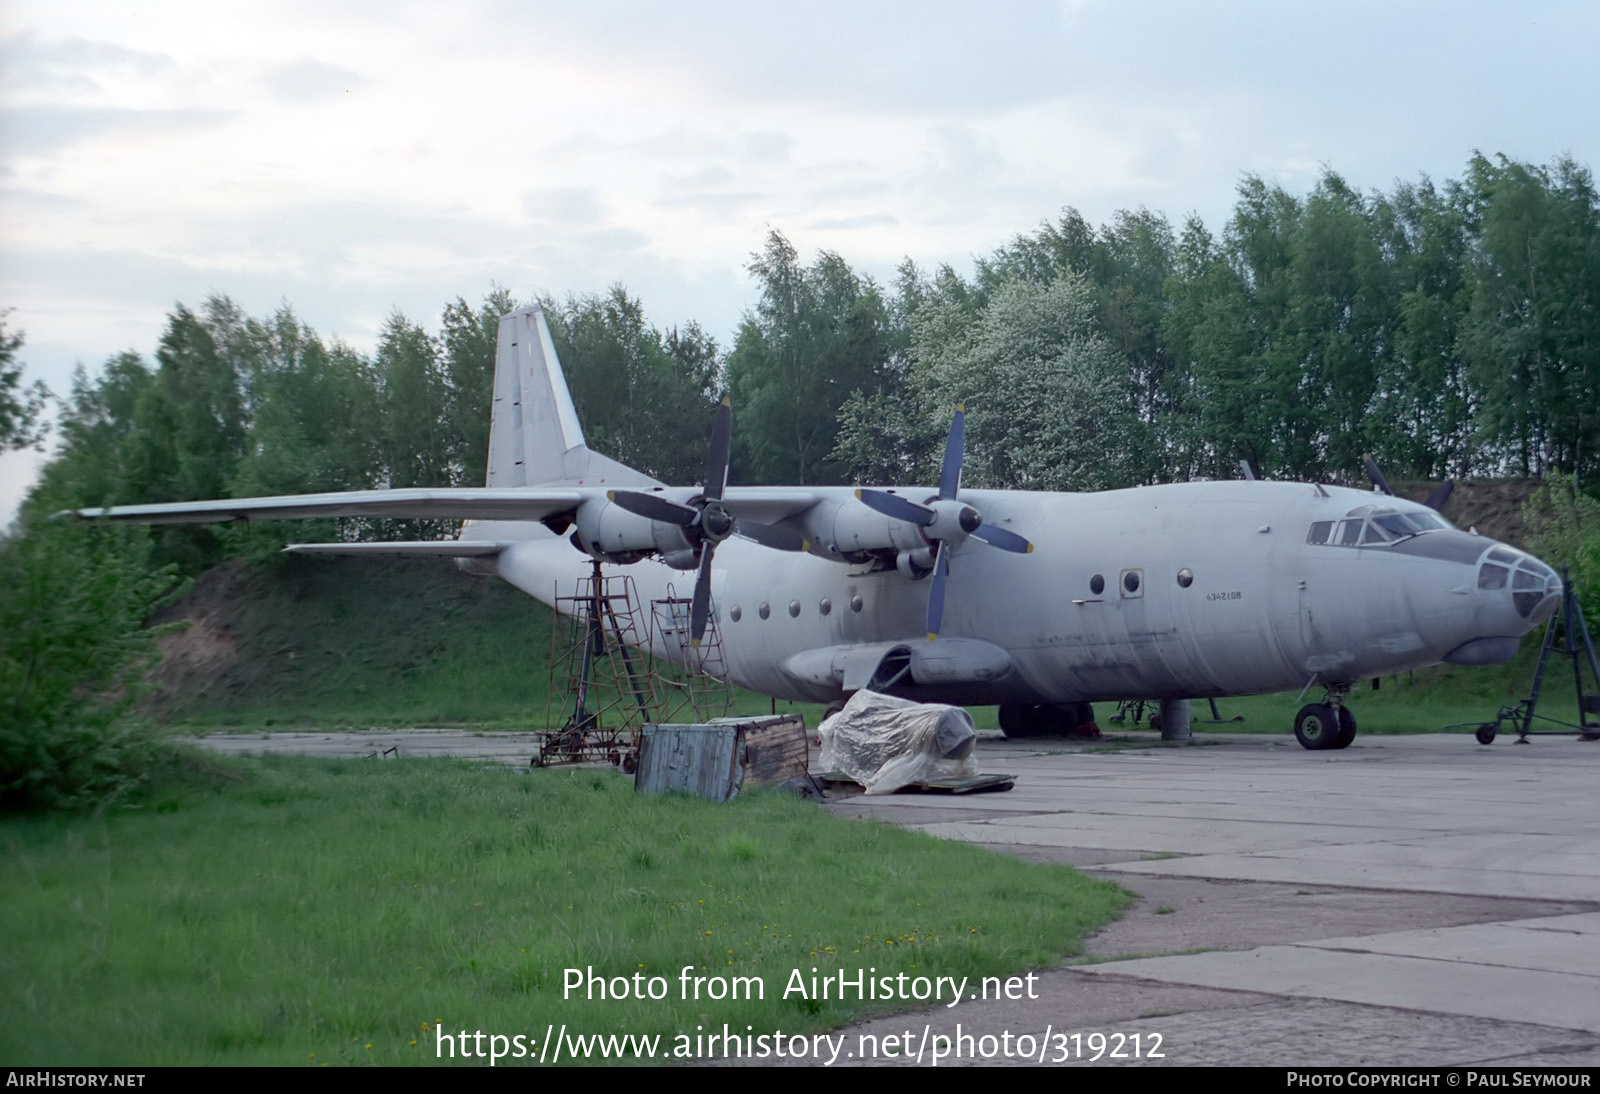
column 1036, row 602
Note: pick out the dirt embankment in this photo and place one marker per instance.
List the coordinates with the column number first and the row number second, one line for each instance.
column 301, row 633
column 1491, row 506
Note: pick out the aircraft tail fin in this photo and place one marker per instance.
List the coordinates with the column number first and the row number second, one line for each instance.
column 534, row 436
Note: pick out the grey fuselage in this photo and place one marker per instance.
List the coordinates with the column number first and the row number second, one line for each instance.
column 1205, row 589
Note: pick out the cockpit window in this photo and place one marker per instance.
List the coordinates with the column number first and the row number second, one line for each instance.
column 1370, row 525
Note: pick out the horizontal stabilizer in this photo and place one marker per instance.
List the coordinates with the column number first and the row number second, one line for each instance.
column 449, row 548
column 445, row 503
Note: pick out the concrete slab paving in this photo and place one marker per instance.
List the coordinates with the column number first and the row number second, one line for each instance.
column 1356, row 975
column 1301, row 866
column 1525, row 944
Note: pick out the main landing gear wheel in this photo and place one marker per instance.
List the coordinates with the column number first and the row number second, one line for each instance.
column 1347, row 728
column 1486, row 733
column 1015, row 722
column 1019, row 720
column 1317, row 727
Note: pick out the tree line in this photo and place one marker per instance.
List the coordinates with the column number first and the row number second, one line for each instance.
column 1449, row 329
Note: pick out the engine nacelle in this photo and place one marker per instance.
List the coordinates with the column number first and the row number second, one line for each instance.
column 610, row 533
column 854, row 529
column 916, row 564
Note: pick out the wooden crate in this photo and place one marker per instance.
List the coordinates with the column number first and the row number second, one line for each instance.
column 718, row 759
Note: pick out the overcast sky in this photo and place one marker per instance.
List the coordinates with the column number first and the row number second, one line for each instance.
column 354, row 159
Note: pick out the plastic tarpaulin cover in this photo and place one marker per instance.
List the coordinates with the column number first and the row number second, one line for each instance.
column 885, row 743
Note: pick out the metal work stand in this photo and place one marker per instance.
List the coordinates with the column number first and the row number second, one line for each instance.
column 1573, row 642
column 608, row 685
column 1133, row 710
column 607, row 691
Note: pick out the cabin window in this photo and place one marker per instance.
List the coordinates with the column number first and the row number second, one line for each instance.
column 1097, row 584
column 794, row 609
column 856, row 603
column 1131, row 581
column 1185, row 578
column 765, row 611
column 824, row 605
column 735, row 613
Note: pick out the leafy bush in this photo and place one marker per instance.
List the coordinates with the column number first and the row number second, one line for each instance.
column 72, row 651
column 1566, row 523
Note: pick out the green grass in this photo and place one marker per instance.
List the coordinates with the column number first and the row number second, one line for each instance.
column 313, row 641
column 318, row 911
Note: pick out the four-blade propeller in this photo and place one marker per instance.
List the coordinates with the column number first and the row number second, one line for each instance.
column 944, row 521
column 704, row 520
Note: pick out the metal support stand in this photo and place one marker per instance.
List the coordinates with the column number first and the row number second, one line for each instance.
column 609, row 692
column 1567, row 635
column 606, row 681
column 1175, row 720
column 1133, row 710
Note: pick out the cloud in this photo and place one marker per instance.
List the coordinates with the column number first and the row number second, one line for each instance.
column 866, row 220
column 308, row 79
column 37, row 68
column 34, row 130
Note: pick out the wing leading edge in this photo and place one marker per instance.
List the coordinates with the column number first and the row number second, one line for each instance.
column 461, row 503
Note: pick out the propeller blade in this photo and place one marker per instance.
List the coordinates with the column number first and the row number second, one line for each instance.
column 1437, row 499
column 775, row 536
column 941, row 570
column 1376, row 475
column 721, row 445
column 999, row 537
column 893, row 505
column 950, row 471
column 654, row 507
column 700, row 609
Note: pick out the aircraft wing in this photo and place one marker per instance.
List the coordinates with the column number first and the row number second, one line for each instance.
column 767, row 505
column 457, row 503
column 442, row 548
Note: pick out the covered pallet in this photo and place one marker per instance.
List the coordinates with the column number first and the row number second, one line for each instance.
column 886, row 744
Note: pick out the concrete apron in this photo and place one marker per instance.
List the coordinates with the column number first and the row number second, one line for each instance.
column 1411, row 900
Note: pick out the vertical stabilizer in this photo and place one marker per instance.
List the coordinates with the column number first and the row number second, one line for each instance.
column 534, row 436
